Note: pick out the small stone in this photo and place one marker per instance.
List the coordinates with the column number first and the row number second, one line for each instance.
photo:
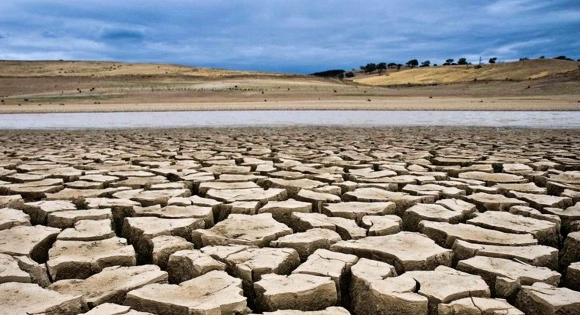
column 39, row 211
column 572, row 279
column 317, row 199
column 402, row 200
column 571, row 250
column 250, row 194
column 67, row 219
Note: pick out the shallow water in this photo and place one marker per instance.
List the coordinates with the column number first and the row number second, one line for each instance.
column 528, row 119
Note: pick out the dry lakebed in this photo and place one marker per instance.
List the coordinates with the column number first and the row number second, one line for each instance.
column 290, row 220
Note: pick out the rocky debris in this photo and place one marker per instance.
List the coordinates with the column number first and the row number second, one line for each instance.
column 88, row 230
column 493, row 178
column 505, row 277
column 347, row 229
column 67, row 219
column 212, row 293
column 111, row 284
column 572, row 279
column 546, row 232
column 306, row 243
column 402, row 200
column 184, row 265
column 494, row 202
column 139, row 231
column 478, row 306
column 357, row 210
column 536, row 255
column 317, row 199
column 10, row 271
column 29, row 298
column 38, row 272
column 258, row 230
column 294, row 292
column 282, row 210
column 30, row 241
column 382, row 225
column 571, row 250
column 80, row 260
column 330, row 264
column 544, row 299
column 39, row 211
column 445, row 234
column 394, row 250
column 11, row 217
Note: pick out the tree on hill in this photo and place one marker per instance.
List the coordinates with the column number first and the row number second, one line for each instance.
column 425, row 63
column 392, row 65
column 381, row 67
column 492, row 60
column 412, row 63
column 560, row 57
column 462, row 61
column 330, row 74
column 448, row 62
column 349, row 74
column 369, row 67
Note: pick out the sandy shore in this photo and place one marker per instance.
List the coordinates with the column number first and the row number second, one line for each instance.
column 402, row 103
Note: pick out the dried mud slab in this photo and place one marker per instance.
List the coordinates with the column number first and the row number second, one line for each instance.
column 111, row 284
column 28, row 298
column 381, row 220
column 394, row 250
column 258, row 230
column 213, row 293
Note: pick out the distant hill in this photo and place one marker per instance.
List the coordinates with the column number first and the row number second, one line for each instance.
column 106, row 68
column 509, row 71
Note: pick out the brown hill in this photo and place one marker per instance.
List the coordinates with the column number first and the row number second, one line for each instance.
column 512, row 71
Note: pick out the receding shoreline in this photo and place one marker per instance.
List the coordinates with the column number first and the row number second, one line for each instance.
column 383, row 104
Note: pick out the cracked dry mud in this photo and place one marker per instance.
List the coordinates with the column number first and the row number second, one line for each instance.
column 286, row 221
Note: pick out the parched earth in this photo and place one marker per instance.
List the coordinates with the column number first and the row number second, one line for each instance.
column 290, row 221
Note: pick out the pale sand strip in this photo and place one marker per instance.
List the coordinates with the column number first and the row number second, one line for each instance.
column 406, row 103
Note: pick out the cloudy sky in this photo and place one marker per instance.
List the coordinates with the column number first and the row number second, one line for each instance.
column 288, row 36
